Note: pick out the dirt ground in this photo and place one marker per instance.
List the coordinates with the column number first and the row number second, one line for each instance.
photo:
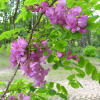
column 90, row 90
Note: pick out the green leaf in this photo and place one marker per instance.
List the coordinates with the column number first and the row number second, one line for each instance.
column 80, row 75
column 89, row 26
column 95, row 25
column 48, row 26
column 51, row 84
column 79, row 84
column 89, row 13
column 88, row 68
column 81, row 62
column 60, row 64
column 52, row 37
column 55, row 66
column 68, row 68
column 29, row 14
column 80, row 71
column 41, row 90
column 71, row 81
column 71, row 77
column 30, row 2
column 92, row 19
column 2, row 4
column 98, row 31
column 75, row 85
column 64, row 90
column 76, row 35
column 87, row 1
column 62, row 96
column 57, row 27
column 93, row 2
column 97, row 7
column 45, row 52
column 63, row 42
column 32, row 88
column 62, row 36
column 58, row 87
column 50, row 59
column 95, row 74
column 66, row 62
column 52, row 92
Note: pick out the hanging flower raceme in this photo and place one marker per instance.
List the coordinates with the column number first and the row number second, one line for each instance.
column 69, row 55
column 30, row 60
column 68, row 18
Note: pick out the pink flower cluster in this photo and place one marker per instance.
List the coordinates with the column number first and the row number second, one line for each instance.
column 30, row 60
column 70, row 19
column 20, row 96
column 69, row 56
column 37, row 8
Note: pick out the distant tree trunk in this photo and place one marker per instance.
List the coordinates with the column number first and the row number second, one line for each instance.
column 89, row 42
column 70, row 45
column 5, row 25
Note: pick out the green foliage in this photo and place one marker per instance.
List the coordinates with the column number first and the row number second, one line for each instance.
column 90, row 51
column 58, row 40
column 76, row 49
column 41, row 93
column 2, row 3
column 96, row 43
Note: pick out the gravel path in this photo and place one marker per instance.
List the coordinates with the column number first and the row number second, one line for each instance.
column 90, row 90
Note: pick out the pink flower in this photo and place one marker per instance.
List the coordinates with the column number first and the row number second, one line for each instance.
column 44, row 4
column 69, row 52
column 12, row 98
column 49, row 12
column 59, row 54
column 83, row 30
column 21, row 96
column 61, row 2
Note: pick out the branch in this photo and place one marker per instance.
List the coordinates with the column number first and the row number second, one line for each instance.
column 14, row 16
column 28, row 43
column 38, row 22
column 10, row 82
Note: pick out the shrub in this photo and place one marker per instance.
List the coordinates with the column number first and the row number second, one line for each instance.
column 90, row 51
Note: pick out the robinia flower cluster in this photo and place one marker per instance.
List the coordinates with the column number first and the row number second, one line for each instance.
column 30, row 60
column 20, row 96
column 68, row 56
column 68, row 18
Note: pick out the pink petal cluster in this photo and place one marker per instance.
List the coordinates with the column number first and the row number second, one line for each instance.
column 37, row 8
column 70, row 19
column 12, row 98
column 60, row 54
column 30, row 60
column 17, row 50
column 22, row 96
column 69, row 56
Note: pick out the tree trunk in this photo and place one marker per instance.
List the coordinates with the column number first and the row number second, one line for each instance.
column 89, row 42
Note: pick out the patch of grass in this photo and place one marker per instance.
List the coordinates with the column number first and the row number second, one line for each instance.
column 58, row 75
column 93, row 59
column 4, row 58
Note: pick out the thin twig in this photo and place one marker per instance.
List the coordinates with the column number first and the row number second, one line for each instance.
column 28, row 43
